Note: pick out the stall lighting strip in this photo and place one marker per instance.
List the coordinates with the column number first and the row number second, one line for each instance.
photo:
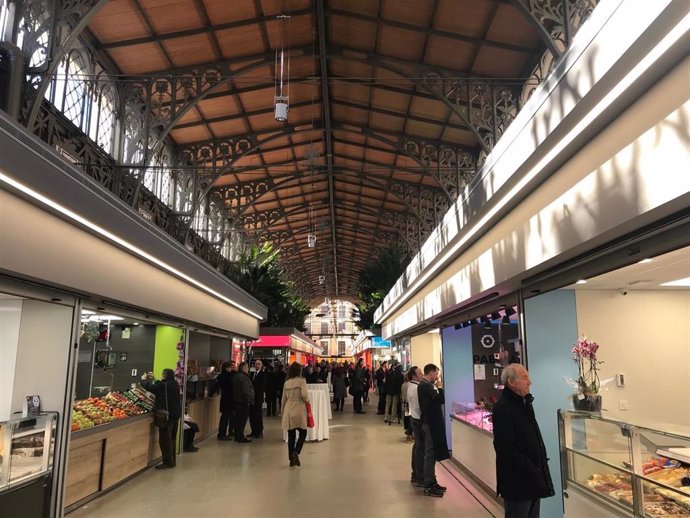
column 122, row 242
column 655, row 54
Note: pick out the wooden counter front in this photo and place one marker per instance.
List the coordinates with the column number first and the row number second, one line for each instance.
column 104, row 456
column 206, row 413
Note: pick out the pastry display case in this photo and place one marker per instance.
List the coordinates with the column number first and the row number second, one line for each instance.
column 615, row 468
column 26, row 449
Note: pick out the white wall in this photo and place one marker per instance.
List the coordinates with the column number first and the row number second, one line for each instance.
column 646, row 336
column 425, row 349
column 10, row 318
column 43, row 354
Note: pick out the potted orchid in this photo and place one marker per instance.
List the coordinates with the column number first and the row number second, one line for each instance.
column 588, row 383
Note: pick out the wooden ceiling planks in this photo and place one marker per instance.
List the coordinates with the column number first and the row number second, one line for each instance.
column 374, row 66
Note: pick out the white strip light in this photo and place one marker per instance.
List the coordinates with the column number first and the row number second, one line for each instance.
column 673, row 35
column 122, row 242
column 684, row 283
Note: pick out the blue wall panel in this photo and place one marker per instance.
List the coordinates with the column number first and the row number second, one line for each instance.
column 458, row 372
column 551, row 331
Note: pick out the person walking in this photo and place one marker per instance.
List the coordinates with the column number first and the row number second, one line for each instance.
column 167, row 393
column 415, row 375
column 431, row 401
column 393, row 387
column 339, row 389
column 522, row 470
column 357, row 387
column 293, row 404
column 243, row 397
column 256, row 413
column 380, row 382
column 224, row 384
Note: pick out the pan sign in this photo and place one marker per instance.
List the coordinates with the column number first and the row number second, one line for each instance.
column 377, row 341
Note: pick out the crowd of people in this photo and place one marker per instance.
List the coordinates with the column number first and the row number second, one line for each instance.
column 523, row 477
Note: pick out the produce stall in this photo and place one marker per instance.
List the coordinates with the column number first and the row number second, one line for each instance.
column 113, row 438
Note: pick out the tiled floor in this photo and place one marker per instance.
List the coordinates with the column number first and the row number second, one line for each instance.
column 362, row 471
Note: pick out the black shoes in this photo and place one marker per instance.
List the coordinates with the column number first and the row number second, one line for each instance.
column 165, row 465
column 432, row 491
column 224, row 438
column 243, row 440
column 294, row 460
column 257, row 436
column 360, row 412
column 191, row 449
column 439, row 487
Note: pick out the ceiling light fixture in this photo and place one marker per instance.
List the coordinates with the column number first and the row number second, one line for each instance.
column 645, row 261
column 282, row 73
column 581, row 281
column 680, row 283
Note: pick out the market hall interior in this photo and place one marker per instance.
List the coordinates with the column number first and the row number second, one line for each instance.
column 194, row 187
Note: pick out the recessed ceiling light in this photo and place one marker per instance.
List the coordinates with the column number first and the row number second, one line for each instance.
column 581, row 281
column 645, row 261
column 679, row 283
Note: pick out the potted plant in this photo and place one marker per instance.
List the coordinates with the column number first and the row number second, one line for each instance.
column 588, row 384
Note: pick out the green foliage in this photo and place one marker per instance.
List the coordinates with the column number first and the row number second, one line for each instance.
column 376, row 280
column 258, row 272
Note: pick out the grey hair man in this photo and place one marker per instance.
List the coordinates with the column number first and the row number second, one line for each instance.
column 522, row 471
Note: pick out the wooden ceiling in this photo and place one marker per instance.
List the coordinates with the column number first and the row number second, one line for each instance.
column 353, row 94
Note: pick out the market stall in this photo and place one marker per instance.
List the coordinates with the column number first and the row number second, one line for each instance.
column 285, row 345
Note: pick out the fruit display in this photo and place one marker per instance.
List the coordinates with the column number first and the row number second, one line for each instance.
column 111, row 407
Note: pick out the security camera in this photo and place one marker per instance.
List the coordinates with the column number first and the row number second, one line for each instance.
column 623, row 291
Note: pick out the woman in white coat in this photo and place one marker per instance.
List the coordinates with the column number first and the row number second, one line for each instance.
column 293, row 405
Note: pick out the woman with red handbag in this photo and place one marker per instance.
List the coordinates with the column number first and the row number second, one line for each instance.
column 294, row 404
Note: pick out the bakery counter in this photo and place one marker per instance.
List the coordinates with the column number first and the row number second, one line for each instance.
column 104, row 456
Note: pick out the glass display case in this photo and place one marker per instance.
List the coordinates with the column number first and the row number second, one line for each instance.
column 474, row 414
column 625, row 469
column 26, row 449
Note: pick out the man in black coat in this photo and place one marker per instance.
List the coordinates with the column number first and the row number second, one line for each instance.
column 243, row 397
column 224, row 384
column 522, row 471
column 256, row 416
column 380, row 380
column 431, row 401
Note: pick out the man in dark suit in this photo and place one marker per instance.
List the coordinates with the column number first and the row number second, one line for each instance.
column 431, row 401
column 522, row 471
column 256, row 416
column 224, row 384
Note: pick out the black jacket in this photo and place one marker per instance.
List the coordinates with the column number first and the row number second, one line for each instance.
column 357, row 380
column 522, row 471
column 380, row 376
column 259, row 380
column 280, row 380
column 271, row 388
column 158, row 389
column 394, row 381
column 431, row 401
column 242, row 389
column 224, row 383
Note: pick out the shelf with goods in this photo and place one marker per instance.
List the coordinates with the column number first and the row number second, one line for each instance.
column 611, row 468
column 114, row 406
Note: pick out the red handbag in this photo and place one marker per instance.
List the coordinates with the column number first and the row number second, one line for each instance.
column 310, row 416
